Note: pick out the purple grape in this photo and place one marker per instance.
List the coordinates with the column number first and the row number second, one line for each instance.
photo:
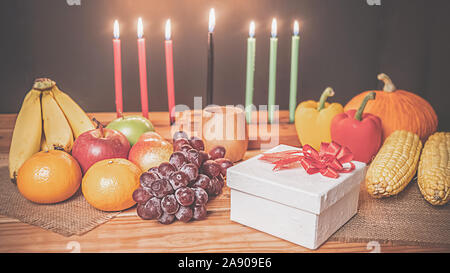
column 165, row 169
column 201, row 196
column 184, row 214
column 179, row 134
column 204, row 155
column 161, row 188
column 178, row 159
column 219, row 185
column 154, row 170
column 190, row 170
column 220, row 180
column 141, row 196
column 202, row 181
column 200, row 212
column 142, row 213
column 148, row 178
column 185, row 196
column 211, row 189
column 179, row 179
column 214, row 187
column 224, row 165
column 166, row 218
column 169, row 204
column 150, row 210
column 185, row 148
column 177, row 144
column 211, row 168
column 194, row 157
column 197, row 143
column 217, row 152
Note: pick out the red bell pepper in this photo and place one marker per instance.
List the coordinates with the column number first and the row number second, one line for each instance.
column 360, row 132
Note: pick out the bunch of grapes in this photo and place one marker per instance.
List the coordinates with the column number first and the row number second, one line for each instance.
column 180, row 189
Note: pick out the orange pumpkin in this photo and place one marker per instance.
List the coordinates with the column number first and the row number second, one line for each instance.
column 399, row 110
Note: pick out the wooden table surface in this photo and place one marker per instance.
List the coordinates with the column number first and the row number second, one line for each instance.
column 128, row 233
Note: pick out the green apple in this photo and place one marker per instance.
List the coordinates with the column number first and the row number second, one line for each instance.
column 132, row 127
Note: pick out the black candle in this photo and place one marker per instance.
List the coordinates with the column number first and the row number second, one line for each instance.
column 210, row 71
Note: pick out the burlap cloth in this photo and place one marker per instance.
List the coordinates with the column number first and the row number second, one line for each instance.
column 404, row 219
column 72, row 217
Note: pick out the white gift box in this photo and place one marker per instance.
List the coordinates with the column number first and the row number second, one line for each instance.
column 291, row 204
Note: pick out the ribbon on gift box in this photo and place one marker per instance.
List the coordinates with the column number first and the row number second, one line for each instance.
column 329, row 161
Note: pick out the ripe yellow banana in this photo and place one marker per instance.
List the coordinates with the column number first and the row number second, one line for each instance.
column 77, row 118
column 58, row 134
column 44, row 146
column 26, row 139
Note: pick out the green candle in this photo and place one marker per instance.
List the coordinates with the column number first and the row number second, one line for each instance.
column 272, row 70
column 249, row 85
column 294, row 73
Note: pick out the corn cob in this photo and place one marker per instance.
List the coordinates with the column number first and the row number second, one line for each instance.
column 395, row 164
column 433, row 175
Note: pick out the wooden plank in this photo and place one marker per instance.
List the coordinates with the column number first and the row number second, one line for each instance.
column 7, row 121
column 258, row 136
column 5, row 140
column 129, row 233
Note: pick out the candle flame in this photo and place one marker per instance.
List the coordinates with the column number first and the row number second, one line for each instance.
column 116, row 32
column 274, row 28
column 251, row 30
column 212, row 20
column 296, row 28
column 168, row 29
column 140, row 28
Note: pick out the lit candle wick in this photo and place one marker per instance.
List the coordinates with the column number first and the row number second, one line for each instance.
column 168, row 29
column 296, row 28
column 140, row 28
column 212, row 20
column 251, row 31
column 274, row 28
column 116, row 30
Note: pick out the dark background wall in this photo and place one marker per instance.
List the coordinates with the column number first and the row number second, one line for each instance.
column 344, row 44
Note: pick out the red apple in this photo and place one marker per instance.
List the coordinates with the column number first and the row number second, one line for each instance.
column 99, row 144
column 150, row 152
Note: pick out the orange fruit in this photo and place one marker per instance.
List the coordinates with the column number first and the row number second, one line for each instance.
column 49, row 177
column 109, row 184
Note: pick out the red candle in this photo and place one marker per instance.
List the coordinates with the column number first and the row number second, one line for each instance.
column 142, row 68
column 210, row 71
column 117, row 70
column 169, row 73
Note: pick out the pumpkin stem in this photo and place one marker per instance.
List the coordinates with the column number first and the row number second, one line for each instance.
column 370, row 96
column 388, row 84
column 328, row 92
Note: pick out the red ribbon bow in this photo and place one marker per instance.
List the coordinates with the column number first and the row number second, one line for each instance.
column 329, row 161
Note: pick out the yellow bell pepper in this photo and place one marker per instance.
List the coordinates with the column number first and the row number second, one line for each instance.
column 313, row 119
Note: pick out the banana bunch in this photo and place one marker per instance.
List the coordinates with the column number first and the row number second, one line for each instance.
column 48, row 119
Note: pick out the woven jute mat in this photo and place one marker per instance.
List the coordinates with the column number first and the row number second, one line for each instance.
column 74, row 216
column 403, row 219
